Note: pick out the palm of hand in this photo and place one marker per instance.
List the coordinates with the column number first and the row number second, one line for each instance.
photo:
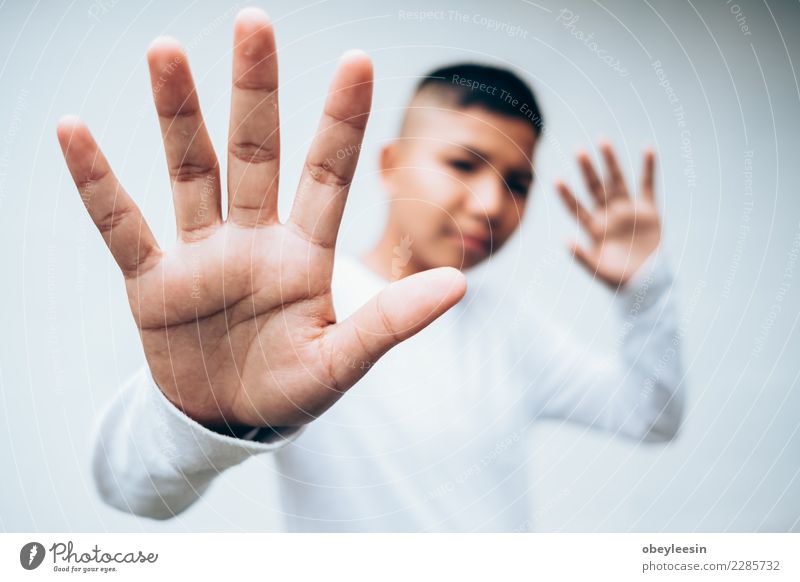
column 225, row 308
column 237, row 320
column 623, row 231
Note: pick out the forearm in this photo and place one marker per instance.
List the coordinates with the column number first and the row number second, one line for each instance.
column 634, row 390
column 650, row 356
column 151, row 460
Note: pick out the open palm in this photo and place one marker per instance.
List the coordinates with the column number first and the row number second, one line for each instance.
column 237, row 320
column 623, row 230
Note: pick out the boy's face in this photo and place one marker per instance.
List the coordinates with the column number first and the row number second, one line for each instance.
column 458, row 181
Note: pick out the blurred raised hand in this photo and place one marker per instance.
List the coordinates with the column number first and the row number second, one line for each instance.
column 623, row 231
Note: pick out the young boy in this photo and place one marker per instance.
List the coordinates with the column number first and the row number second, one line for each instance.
column 252, row 332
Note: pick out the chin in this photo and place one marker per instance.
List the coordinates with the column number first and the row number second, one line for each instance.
column 470, row 262
column 459, row 260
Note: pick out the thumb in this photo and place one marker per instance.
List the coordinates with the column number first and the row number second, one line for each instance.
column 399, row 311
column 582, row 256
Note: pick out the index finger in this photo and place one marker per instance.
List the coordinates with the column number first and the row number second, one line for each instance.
column 648, row 177
column 332, row 158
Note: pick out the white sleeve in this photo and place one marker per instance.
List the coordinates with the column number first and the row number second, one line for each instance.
column 150, row 459
column 633, row 389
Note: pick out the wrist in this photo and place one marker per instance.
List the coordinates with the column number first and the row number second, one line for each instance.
column 214, row 420
column 647, row 285
column 229, row 433
column 238, row 431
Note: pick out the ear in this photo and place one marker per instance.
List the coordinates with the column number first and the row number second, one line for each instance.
column 388, row 156
column 387, row 163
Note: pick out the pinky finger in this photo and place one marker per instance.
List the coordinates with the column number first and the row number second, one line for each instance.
column 115, row 214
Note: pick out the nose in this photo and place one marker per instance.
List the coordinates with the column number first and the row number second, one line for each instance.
column 487, row 199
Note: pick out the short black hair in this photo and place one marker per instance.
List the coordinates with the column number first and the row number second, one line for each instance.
column 494, row 88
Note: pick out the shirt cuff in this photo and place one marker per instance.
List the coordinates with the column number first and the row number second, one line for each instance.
column 648, row 284
column 212, row 450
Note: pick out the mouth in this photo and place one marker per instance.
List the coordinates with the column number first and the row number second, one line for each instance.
column 473, row 243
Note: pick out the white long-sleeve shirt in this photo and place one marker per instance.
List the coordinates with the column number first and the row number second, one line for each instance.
column 432, row 438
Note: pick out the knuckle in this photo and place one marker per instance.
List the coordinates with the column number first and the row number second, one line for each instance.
column 189, row 172
column 252, row 152
column 308, row 237
column 325, row 174
column 386, row 322
column 106, row 223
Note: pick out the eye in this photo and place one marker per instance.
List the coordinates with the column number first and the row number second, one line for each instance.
column 518, row 188
column 462, row 165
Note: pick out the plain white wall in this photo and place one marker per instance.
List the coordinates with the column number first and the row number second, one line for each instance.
column 68, row 340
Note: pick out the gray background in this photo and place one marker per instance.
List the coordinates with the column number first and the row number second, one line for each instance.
column 68, row 339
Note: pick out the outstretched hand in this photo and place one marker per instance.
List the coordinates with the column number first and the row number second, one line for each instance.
column 623, row 230
column 236, row 319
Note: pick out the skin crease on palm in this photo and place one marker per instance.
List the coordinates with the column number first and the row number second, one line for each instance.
column 236, row 319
